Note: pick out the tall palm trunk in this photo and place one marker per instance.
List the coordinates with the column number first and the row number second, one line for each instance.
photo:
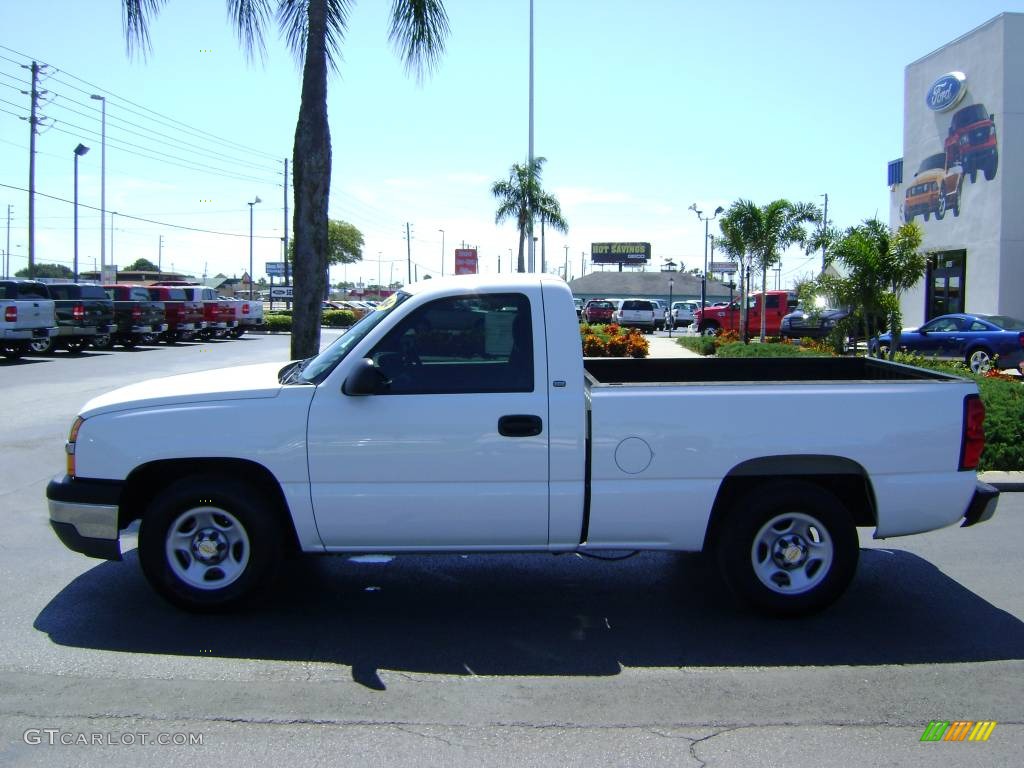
column 521, row 264
column 764, row 298
column 312, row 177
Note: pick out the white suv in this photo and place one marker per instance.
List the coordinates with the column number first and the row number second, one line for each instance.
column 636, row 313
column 682, row 312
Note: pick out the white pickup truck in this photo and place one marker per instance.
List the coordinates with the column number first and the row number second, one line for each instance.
column 460, row 416
column 27, row 314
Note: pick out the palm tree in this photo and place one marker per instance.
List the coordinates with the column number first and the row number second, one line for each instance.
column 520, row 193
column 770, row 229
column 733, row 245
column 880, row 265
column 315, row 30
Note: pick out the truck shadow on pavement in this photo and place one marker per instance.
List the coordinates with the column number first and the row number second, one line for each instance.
column 539, row 615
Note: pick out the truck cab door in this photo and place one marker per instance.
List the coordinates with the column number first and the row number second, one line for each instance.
column 450, row 448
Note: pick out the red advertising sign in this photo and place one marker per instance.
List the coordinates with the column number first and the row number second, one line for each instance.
column 465, row 261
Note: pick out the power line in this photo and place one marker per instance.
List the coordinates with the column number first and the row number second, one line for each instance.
column 148, row 221
column 166, row 118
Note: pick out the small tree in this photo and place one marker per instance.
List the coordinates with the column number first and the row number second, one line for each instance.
column 142, row 265
column 880, row 266
column 344, row 243
column 47, row 270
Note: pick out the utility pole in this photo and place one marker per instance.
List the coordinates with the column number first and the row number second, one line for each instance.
column 408, row 249
column 33, row 121
column 566, row 275
column 160, row 255
column 583, row 263
column 285, row 222
column 7, row 253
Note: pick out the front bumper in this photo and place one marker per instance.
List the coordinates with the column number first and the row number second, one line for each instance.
column 982, row 506
column 84, row 515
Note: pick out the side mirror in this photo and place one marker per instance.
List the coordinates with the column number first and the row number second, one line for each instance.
column 366, row 379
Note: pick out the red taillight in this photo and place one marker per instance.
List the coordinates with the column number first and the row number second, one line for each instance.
column 11, row 314
column 136, row 313
column 78, row 312
column 179, row 312
column 973, row 441
column 245, row 309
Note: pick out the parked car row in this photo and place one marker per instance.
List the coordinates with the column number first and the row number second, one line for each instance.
column 646, row 314
column 42, row 317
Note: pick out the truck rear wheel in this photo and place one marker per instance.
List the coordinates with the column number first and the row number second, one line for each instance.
column 207, row 544
column 789, row 548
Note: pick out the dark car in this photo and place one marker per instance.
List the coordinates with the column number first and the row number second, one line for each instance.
column 815, row 325
column 981, row 341
column 83, row 311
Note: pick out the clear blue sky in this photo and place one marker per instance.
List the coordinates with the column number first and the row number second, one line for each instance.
column 641, row 109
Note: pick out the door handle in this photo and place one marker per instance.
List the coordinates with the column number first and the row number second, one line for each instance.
column 520, row 425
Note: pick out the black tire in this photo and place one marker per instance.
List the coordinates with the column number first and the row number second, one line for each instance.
column 129, row 342
column 788, row 548
column 74, row 347
column 990, row 170
column 974, row 174
column 237, row 333
column 240, row 534
column 41, row 346
column 940, row 206
column 927, row 215
column 102, row 341
column 709, row 329
column 13, row 353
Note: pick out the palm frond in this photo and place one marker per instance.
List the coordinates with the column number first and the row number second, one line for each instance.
column 249, row 17
column 293, row 16
column 419, row 30
column 136, row 15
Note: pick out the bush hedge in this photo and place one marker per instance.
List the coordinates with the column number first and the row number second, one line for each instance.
column 612, row 341
column 335, row 318
column 739, row 349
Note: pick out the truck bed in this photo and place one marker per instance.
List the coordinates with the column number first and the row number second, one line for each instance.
column 622, row 371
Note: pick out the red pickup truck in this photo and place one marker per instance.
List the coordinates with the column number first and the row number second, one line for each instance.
column 218, row 315
column 971, row 142
column 184, row 317
column 712, row 320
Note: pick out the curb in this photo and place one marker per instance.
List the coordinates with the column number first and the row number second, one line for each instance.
column 1007, row 482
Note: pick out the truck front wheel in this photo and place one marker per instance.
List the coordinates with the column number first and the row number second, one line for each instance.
column 207, row 544
column 789, row 548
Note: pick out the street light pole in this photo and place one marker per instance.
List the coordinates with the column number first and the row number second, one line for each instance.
column 257, row 200
column 80, row 150
column 668, row 316
column 704, row 276
column 442, row 252
column 103, row 184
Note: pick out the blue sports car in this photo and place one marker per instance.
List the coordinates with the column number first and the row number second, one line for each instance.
column 981, row 341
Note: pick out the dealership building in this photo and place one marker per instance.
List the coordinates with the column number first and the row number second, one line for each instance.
column 961, row 177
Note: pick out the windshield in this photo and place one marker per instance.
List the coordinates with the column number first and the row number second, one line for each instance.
column 321, row 365
column 933, row 163
column 975, row 113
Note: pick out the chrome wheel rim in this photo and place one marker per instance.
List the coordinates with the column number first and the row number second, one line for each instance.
column 40, row 345
column 980, row 361
column 207, row 548
column 792, row 553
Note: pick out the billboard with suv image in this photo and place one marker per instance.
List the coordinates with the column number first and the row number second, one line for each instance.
column 971, row 141
column 935, row 188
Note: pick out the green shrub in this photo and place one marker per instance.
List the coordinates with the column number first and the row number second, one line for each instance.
column 338, row 318
column 702, row 345
column 739, row 349
column 277, row 322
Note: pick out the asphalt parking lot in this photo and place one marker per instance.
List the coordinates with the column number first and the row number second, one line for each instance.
column 483, row 660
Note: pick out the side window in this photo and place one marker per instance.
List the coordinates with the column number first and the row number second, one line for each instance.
column 978, row 326
column 460, row 344
column 945, row 325
column 773, row 301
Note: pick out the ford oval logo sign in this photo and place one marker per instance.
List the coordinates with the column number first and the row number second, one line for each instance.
column 946, row 92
